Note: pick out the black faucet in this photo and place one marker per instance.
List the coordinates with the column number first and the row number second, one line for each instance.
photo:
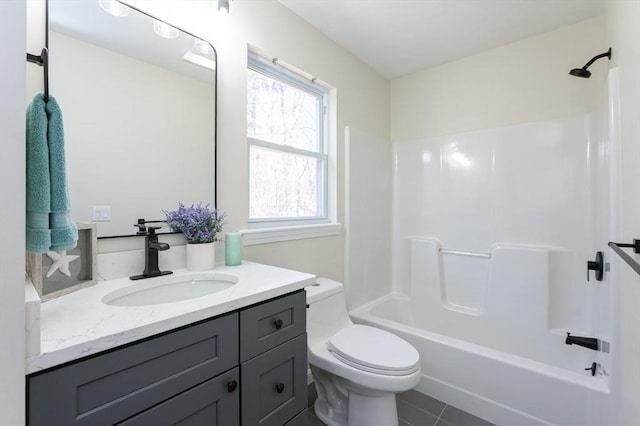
column 587, row 342
column 151, row 248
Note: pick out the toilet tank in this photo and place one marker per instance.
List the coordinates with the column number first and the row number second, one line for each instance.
column 327, row 312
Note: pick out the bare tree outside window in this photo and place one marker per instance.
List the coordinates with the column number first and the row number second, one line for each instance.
column 287, row 151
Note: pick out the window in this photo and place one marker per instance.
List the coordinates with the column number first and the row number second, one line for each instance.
column 288, row 149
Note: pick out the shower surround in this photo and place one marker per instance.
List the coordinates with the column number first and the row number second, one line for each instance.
column 492, row 230
column 466, row 203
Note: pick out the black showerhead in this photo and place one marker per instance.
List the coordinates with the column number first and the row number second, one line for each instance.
column 583, row 72
column 580, row 72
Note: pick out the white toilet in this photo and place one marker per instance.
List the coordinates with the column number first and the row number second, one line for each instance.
column 357, row 369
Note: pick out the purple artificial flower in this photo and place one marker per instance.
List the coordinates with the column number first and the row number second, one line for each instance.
column 198, row 224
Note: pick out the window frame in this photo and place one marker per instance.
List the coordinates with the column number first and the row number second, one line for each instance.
column 272, row 69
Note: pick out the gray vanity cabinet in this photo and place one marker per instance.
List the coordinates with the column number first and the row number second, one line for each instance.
column 273, row 351
column 112, row 387
column 209, row 404
column 247, row 367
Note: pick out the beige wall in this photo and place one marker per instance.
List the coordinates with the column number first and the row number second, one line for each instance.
column 519, row 82
column 623, row 34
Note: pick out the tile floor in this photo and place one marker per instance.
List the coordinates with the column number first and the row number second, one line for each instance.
column 415, row 409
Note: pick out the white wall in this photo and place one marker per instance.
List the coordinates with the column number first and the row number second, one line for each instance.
column 367, row 217
column 623, row 34
column 12, row 166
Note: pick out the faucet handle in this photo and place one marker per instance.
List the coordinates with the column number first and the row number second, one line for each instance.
column 142, row 228
column 152, row 229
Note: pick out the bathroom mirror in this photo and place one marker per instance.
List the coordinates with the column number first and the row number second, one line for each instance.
column 139, row 104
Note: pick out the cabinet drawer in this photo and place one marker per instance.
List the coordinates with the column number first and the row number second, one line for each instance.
column 270, row 324
column 274, row 384
column 213, row 403
column 112, row 387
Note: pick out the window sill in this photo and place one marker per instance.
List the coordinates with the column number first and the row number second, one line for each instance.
column 288, row 233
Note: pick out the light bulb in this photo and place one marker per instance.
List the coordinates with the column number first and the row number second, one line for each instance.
column 223, row 6
column 203, row 47
column 114, row 7
column 164, row 30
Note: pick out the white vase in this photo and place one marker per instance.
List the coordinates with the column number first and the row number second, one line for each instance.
column 201, row 257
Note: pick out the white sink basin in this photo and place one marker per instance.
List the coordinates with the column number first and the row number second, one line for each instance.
column 169, row 289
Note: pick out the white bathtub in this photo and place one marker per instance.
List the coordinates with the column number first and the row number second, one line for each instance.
column 503, row 388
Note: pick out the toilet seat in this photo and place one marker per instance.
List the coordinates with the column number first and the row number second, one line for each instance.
column 374, row 350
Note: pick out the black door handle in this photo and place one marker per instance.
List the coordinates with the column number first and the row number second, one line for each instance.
column 232, row 385
column 280, row 387
column 278, row 324
column 597, row 266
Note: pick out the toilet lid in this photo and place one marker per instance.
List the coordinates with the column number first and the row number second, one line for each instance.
column 374, row 350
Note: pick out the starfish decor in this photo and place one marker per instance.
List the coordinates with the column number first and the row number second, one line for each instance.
column 61, row 262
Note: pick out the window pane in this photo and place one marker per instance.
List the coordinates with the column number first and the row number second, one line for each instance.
column 282, row 185
column 280, row 113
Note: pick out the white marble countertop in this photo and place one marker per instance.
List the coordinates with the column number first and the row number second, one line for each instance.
column 80, row 324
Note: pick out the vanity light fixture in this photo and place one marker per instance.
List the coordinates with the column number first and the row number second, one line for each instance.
column 114, row 7
column 201, row 54
column 203, row 47
column 223, row 6
column 199, row 59
column 164, row 30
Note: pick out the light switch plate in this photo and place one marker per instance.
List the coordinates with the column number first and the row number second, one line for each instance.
column 101, row 213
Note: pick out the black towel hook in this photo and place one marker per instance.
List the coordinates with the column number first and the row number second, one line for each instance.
column 43, row 59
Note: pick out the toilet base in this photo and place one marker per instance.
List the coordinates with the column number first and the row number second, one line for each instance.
column 367, row 410
column 344, row 403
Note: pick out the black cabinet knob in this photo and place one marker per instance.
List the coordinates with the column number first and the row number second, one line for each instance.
column 280, row 387
column 278, row 323
column 232, row 385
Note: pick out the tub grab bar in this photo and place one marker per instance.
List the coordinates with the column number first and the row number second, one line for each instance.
column 465, row 253
column 633, row 263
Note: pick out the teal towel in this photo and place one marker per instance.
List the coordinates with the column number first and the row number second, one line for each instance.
column 49, row 223
column 64, row 232
column 38, row 235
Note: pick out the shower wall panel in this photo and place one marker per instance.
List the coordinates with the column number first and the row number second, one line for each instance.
column 528, row 184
